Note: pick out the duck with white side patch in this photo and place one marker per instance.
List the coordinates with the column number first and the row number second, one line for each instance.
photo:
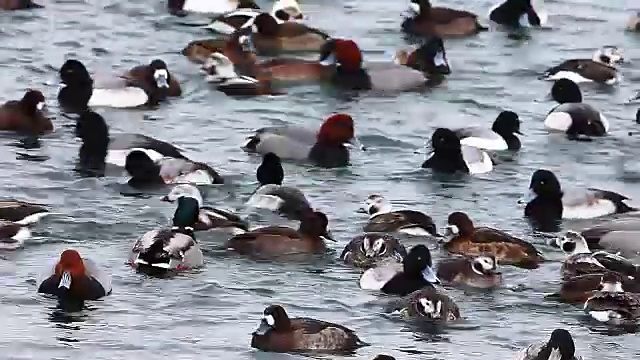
column 383, row 219
column 560, row 346
column 500, row 137
column 450, row 156
column 611, row 304
column 13, row 235
column 599, row 69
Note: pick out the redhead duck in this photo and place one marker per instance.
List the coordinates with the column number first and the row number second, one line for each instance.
column 232, row 21
column 384, row 219
column 146, row 172
column 430, row 58
column 518, row 13
column 475, row 272
column 18, row 5
column 280, row 240
column 209, row 218
column 266, row 36
column 611, row 304
column 440, row 21
column 279, row 333
column 601, row 69
column 325, row 147
column 155, row 79
column 272, row 195
column 450, row 156
column 12, row 235
column 74, row 278
column 366, row 250
column 547, row 201
column 501, row 136
column 25, row 115
column 78, row 90
column 220, row 71
column 633, row 24
column 183, row 7
column 559, row 346
column 430, row 305
column 465, row 239
column 22, row 212
column 171, row 249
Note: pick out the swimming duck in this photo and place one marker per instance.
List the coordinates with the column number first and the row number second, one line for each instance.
column 146, row 172
column 440, row 21
column 368, row 249
column 384, row 219
column 272, row 195
column 25, row 115
column 209, row 218
column 18, row 5
column 548, row 201
column 199, row 51
column 324, row 147
column 280, row 240
column 21, row 212
column 581, row 261
column 155, row 79
column 465, row 239
column 230, row 22
column 476, row 272
column 171, row 249
column 611, row 304
column 12, row 235
column 266, row 36
column 633, row 24
column 74, row 278
column 415, row 273
column 220, row 71
column 279, row 333
column 572, row 116
column 183, row 7
column 559, row 346
column 600, row 69
column 450, row 156
column 616, row 234
column 430, row 57
column 518, row 13
column 350, row 73
column 501, row 136
column 429, row 304
column 578, row 289
column 78, row 91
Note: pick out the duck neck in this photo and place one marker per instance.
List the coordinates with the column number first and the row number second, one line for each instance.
column 513, row 142
column 546, row 205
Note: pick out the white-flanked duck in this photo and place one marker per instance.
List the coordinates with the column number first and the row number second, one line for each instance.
column 450, row 156
column 559, row 346
column 599, row 69
column 383, row 219
column 171, row 249
column 209, row 218
column 519, row 13
column 501, row 136
column 428, row 305
column 612, row 305
column 230, row 22
column 13, row 235
column 479, row 272
column 184, row 7
column 371, row 248
column 74, row 278
column 221, row 72
column 22, row 212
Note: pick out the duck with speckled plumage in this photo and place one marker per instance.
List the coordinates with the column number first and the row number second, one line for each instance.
column 232, row 21
column 369, row 249
column 612, row 305
column 600, row 69
column 479, row 272
column 383, row 219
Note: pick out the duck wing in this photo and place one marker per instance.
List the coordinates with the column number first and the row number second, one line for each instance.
column 616, row 263
column 623, row 303
column 595, row 233
column 400, row 219
column 298, row 133
column 581, row 264
column 223, row 218
column 322, row 335
column 490, row 235
column 15, row 210
column 130, row 141
column 614, row 197
column 586, row 68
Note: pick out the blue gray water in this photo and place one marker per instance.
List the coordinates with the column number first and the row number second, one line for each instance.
column 210, row 313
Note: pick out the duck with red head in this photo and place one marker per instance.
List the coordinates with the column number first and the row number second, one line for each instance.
column 75, row 278
column 25, row 115
column 267, row 36
column 18, row 5
column 440, row 21
column 326, row 147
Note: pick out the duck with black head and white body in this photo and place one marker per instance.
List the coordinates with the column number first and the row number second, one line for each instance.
column 560, row 346
column 600, row 69
column 450, row 156
column 382, row 218
column 501, row 136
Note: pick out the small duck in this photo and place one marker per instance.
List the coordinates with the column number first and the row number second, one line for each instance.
column 600, row 69
column 430, row 58
column 581, row 261
column 78, row 91
column 572, row 116
column 465, row 239
column 22, row 212
column 518, row 14
column 272, row 195
column 548, row 201
column 325, row 147
column 474, row 272
column 220, row 71
column 383, row 219
column 440, row 21
column 12, row 235
column 279, row 240
column 155, row 79
column 74, row 278
column 578, row 289
column 366, row 250
column 633, row 24
column 25, row 115
column 560, row 346
column 209, row 218
column 279, row 333
column 502, row 135
column 266, row 36
column 199, row 51
column 230, row 22
column 428, row 304
column 616, row 234
column 19, row 5
column 611, row 304
column 415, row 273
column 450, row 156
column 148, row 173
column 171, row 249
column 183, row 7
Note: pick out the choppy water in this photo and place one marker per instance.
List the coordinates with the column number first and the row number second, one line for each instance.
column 210, row 313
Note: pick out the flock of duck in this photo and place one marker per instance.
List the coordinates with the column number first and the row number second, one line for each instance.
column 604, row 283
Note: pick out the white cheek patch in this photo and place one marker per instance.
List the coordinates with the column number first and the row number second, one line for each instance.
column 161, row 76
column 453, row 229
column 439, row 59
column 40, row 105
column 270, row 320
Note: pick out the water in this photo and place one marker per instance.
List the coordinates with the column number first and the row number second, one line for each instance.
column 210, row 313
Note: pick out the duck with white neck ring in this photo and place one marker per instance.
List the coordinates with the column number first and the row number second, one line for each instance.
column 599, row 69
column 383, row 219
column 611, row 304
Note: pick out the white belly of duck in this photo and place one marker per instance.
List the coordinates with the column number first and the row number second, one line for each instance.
column 17, row 240
column 415, row 231
column 128, row 97
column 497, row 144
column 558, row 121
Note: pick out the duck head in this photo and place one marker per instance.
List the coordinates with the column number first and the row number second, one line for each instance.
column 287, row 10
column 270, row 171
column 611, row 282
column 265, row 25
column 609, row 55
column 92, row 129
column 458, row 224
column 74, row 73
column 142, row 169
column 420, row 7
column 274, row 318
column 566, row 91
column 445, row 141
column 418, row 261
column 544, row 184
column 484, row 265
column 160, row 73
column 338, row 129
column 186, row 215
column 376, row 204
column 506, row 124
column 70, row 267
column 562, row 342
column 32, row 102
column 183, row 190
column 219, row 68
column 315, row 223
column 342, row 52
column 573, row 243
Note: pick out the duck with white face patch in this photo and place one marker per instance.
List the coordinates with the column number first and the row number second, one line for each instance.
column 479, row 272
column 429, row 305
column 369, row 249
column 383, row 219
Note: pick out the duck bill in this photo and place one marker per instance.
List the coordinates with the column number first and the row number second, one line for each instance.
column 166, row 199
column 355, row 144
column 328, row 236
column 65, row 280
column 528, row 197
column 263, row 329
column 362, row 211
column 430, row 275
